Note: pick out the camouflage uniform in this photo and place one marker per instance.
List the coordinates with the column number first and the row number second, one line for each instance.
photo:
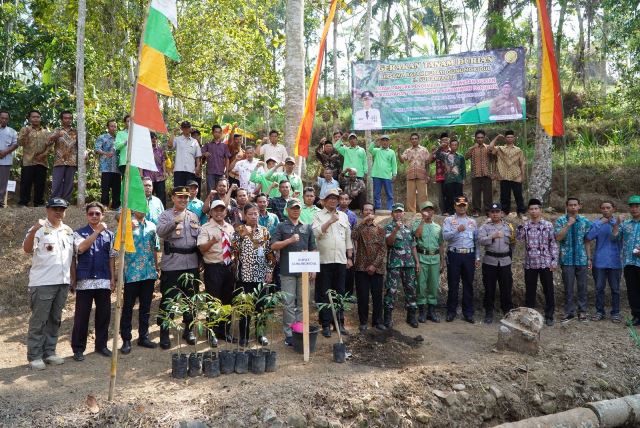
column 401, row 267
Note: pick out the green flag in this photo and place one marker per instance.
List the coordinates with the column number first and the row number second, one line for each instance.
column 137, row 199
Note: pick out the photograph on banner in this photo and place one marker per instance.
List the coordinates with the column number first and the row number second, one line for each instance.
column 462, row 89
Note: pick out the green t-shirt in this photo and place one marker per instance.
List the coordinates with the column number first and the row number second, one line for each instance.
column 294, row 179
column 259, row 178
column 307, row 213
column 431, row 240
column 121, row 146
column 385, row 164
column 354, row 157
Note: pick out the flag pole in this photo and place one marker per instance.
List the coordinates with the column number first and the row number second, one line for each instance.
column 123, row 221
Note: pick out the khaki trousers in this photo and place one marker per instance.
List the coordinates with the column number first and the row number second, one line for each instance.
column 415, row 187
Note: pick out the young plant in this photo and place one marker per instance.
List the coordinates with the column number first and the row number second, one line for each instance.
column 269, row 303
column 218, row 314
column 174, row 308
column 337, row 302
column 242, row 306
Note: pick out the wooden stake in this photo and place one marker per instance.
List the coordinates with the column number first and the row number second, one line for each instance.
column 335, row 317
column 305, row 316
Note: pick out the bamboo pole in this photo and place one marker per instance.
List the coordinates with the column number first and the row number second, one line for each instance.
column 305, row 316
column 123, row 222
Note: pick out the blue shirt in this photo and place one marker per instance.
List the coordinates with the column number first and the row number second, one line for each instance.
column 573, row 252
column 458, row 240
column 325, row 186
column 630, row 235
column 195, row 206
column 607, row 253
column 8, row 138
column 155, row 209
column 270, row 221
column 353, row 219
column 141, row 265
column 105, row 143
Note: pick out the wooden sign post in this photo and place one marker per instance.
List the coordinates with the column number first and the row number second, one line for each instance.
column 305, row 262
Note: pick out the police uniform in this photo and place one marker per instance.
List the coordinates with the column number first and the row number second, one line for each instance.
column 180, row 255
column 496, row 263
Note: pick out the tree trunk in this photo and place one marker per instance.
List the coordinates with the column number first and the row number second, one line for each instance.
column 367, row 57
column 444, row 27
column 82, row 133
column 293, row 71
column 336, row 82
column 408, row 34
column 495, row 11
column 540, row 181
column 563, row 11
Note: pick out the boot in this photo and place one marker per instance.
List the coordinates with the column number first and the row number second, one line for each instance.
column 388, row 318
column 422, row 313
column 411, row 317
column 431, row 313
column 165, row 342
column 189, row 337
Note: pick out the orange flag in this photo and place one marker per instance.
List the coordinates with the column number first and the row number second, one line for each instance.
column 550, row 94
column 306, row 124
column 129, row 247
column 147, row 111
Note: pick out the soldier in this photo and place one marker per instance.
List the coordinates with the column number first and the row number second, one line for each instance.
column 402, row 265
column 430, row 249
column 498, row 237
column 179, row 229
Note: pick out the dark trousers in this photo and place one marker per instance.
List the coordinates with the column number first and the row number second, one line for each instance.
column 506, row 188
column 245, row 322
column 451, row 192
column 481, row 194
column 169, row 281
column 32, row 176
column 219, row 282
column 460, row 266
column 180, row 178
column 160, row 191
column 331, row 278
column 110, row 182
column 143, row 291
column 349, row 281
column 503, row 276
column 366, row 284
column 62, row 182
column 84, row 301
column 531, row 284
column 632, row 278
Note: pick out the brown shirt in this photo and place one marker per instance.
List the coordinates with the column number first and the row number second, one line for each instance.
column 66, row 148
column 479, row 156
column 33, row 142
column 370, row 247
column 210, row 230
column 417, row 162
column 509, row 161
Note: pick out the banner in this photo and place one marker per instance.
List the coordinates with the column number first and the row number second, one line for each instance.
column 462, row 89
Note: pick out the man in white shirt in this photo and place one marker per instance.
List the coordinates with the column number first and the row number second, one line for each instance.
column 367, row 118
column 8, row 143
column 245, row 167
column 188, row 156
column 273, row 150
column 51, row 244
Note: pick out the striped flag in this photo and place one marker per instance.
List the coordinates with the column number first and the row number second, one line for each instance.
column 550, row 94
column 306, row 124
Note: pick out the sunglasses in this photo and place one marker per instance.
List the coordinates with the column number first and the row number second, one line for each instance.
column 94, row 214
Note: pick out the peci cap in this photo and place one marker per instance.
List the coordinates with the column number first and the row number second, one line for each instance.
column 368, row 94
column 332, row 192
column 495, row 207
column 293, row 202
column 181, row 191
column 217, row 203
column 185, row 124
column 397, row 207
column 534, row 201
column 425, row 205
column 289, row 159
column 192, row 183
column 461, row 200
column 634, row 200
column 57, row 203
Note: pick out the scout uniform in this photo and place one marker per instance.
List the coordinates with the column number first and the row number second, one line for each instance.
column 180, row 256
column 401, row 268
column 496, row 263
column 428, row 249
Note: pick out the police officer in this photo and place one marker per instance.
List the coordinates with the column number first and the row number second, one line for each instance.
column 179, row 229
column 498, row 238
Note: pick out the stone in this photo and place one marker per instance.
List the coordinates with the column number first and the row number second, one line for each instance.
column 451, row 399
column 519, row 331
column 439, row 393
column 496, row 392
column 459, row 387
column 320, row 422
column 423, row 418
column 548, row 407
column 601, row 364
column 512, row 398
column 275, row 423
column 268, row 415
column 296, row 420
column 464, row 396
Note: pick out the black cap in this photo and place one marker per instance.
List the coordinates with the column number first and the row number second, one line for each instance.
column 181, row 191
column 495, row 207
column 195, row 132
column 185, row 124
column 192, row 183
column 461, row 200
column 366, row 94
column 534, row 201
column 57, row 202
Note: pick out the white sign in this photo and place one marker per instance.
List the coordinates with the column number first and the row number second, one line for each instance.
column 304, row 262
column 11, row 186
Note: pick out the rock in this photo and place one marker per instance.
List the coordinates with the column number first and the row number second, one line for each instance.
column 496, row 392
column 548, row 395
column 489, row 401
column 321, row 422
column 439, row 394
column 275, row 423
column 268, row 415
column 459, row 387
column 548, row 407
column 512, row 398
column 464, row 396
column 601, row 364
column 190, row 424
column 423, row 418
column 354, row 406
column 296, row 420
column 392, row 417
column 536, row 399
column 451, row 400
column 520, row 331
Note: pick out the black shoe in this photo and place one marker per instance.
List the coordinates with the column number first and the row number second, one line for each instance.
column 422, row 314
column 104, row 351
column 263, row 341
column 213, row 341
column 362, row 328
column 451, row 317
column 411, row 317
column 189, row 337
column 165, row 342
column 388, row 317
column 146, row 343
column 78, row 356
column 568, row 318
column 343, row 331
column 243, row 343
column 470, row 320
column 126, row 347
column 488, row 319
column 431, row 313
column 380, row 327
column 288, row 341
column 326, row 331
column 549, row 322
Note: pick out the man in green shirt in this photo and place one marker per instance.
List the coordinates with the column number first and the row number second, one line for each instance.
column 383, row 171
column 430, row 249
column 263, row 185
column 122, row 137
column 454, row 165
column 288, row 174
column 309, row 209
column 354, row 156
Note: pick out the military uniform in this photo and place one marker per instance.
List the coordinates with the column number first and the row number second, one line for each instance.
column 180, row 256
column 496, row 264
column 428, row 249
column 401, row 270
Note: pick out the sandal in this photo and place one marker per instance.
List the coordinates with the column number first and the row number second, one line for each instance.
column 616, row 319
column 582, row 317
column 597, row 317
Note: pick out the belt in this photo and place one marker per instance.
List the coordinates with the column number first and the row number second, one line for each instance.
column 497, row 255
column 170, row 249
column 461, row 250
column 427, row 252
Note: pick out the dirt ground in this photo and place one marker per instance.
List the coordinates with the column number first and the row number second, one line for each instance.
column 455, row 377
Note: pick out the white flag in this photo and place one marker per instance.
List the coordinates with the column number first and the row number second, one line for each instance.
column 141, row 149
column 168, row 9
